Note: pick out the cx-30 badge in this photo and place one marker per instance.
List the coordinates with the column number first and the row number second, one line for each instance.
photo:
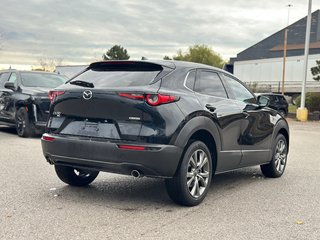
column 87, row 94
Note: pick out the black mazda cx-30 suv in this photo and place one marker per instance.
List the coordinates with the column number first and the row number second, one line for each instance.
column 180, row 121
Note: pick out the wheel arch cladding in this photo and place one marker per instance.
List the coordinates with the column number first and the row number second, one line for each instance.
column 285, row 133
column 205, row 137
column 203, row 129
column 282, row 128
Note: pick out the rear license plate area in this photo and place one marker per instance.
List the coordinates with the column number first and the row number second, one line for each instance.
column 91, row 129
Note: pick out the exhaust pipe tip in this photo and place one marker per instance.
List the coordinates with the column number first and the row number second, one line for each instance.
column 49, row 159
column 136, row 174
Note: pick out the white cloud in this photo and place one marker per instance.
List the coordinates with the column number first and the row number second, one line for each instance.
column 80, row 31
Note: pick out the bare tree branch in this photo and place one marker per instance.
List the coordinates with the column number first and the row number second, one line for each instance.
column 49, row 63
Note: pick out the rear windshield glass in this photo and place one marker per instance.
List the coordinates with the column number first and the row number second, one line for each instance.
column 120, row 75
column 45, row 80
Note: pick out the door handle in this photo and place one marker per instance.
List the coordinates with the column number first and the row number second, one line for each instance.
column 210, row 108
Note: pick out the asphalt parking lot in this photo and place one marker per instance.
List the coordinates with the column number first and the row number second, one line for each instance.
column 35, row 204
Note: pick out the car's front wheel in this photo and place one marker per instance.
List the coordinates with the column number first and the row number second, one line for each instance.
column 75, row 176
column 276, row 167
column 192, row 181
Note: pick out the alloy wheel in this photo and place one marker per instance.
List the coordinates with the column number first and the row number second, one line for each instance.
column 21, row 123
column 198, row 172
column 280, row 157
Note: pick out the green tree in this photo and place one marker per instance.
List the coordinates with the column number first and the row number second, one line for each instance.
column 312, row 101
column 117, row 52
column 316, row 71
column 200, row 54
column 167, row 58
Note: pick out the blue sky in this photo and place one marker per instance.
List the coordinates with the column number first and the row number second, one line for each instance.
column 80, row 31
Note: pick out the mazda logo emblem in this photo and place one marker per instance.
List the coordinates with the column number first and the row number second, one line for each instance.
column 87, row 94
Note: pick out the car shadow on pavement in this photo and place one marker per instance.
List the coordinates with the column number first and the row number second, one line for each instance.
column 226, row 182
column 10, row 130
column 128, row 193
column 122, row 192
column 13, row 131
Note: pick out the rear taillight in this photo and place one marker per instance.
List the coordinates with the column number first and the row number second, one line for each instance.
column 132, row 95
column 47, row 138
column 151, row 99
column 54, row 94
column 158, row 99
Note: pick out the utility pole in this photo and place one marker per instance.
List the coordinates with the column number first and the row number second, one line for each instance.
column 302, row 112
column 284, row 60
column 285, row 50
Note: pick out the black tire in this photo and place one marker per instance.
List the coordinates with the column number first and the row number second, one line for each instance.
column 25, row 128
column 178, row 188
column 276, row 167
column 75, row 176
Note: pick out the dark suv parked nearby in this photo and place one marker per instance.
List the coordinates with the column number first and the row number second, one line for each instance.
column 24, row 101
column 277, row 102
column 180, row 121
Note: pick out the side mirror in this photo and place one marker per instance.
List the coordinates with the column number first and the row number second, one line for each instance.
column 10, row 85
column 263, row 101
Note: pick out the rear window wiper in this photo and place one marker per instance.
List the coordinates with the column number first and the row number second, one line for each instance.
column 82, row 83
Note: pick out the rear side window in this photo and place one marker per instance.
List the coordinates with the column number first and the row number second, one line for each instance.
column 209, row 83
column 190, row 80
column 46, row 80
column 120, row 75
column 13, row 78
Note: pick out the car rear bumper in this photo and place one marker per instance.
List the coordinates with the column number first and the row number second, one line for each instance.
column 154, row 161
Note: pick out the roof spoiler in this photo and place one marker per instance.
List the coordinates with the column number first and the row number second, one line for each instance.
column 112, row 65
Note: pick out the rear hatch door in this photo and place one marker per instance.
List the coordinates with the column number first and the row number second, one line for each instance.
column 107, row 100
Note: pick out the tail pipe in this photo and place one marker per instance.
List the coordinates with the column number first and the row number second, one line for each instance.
column 49, row 159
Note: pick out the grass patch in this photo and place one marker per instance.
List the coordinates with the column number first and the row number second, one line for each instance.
column 292, row 108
